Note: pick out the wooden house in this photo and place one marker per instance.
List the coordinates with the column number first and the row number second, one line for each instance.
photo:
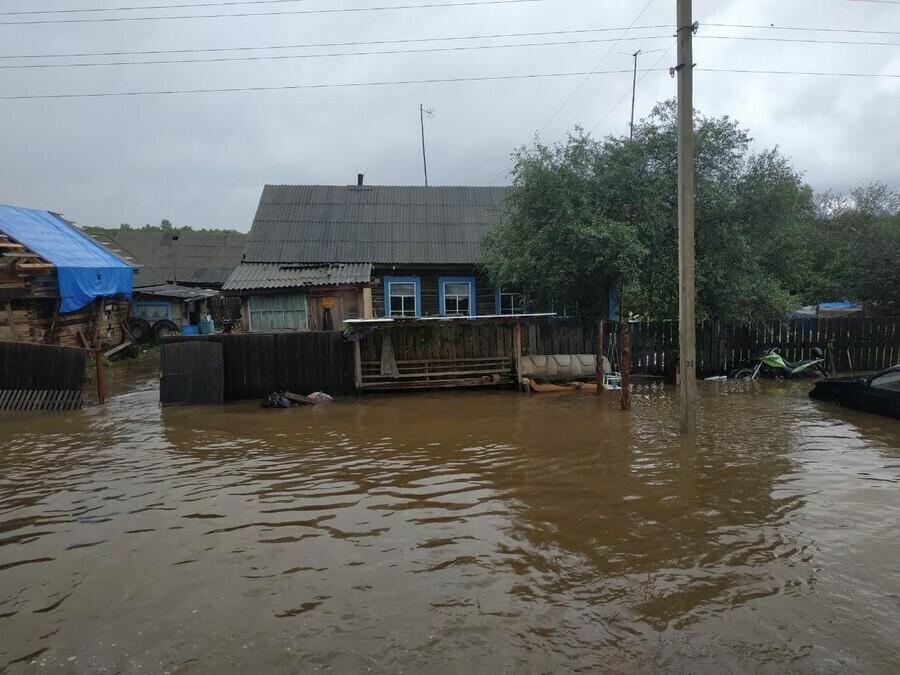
column 57, row 286
column 396, row 251
column 154, row 298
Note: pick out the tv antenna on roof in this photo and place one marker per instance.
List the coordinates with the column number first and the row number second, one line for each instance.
column 422, row 112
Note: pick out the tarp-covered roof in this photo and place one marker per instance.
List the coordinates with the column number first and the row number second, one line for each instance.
column 196, row 258
column 827, row 310
column 85, row 269
column 250, row 276
column 377, row 224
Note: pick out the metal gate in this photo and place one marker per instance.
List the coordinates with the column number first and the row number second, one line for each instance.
column 192, row 372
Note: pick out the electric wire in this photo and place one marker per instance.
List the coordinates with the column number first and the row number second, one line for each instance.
column 277, row 57
column 329, row 44
column 596, row 66
column 802, row 28
column 649, row 70
column 133, row 8
column 437, row 80
column 424, row 50
column 333, row 10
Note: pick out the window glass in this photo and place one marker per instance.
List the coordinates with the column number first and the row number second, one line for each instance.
column 457, row 300
column 402, row 296
column 285, row 311
column 511, row 303
column 888, row 381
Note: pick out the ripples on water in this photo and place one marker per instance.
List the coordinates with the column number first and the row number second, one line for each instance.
column 452, row 532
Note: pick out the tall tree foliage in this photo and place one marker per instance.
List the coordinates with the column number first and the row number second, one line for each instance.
column 855, row 242
column 586, row 211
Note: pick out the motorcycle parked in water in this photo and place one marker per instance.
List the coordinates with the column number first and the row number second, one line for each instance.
column 772, row 364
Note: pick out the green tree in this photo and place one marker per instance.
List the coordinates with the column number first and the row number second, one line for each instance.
column 855, row 242
column 620, row 196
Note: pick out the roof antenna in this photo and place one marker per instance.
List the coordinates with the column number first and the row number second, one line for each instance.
column 422, row 112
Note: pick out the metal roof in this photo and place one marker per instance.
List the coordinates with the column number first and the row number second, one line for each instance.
column 377, row 224
column 143, row 276
column 250, row 276
column 185, row 257
column 186, row 293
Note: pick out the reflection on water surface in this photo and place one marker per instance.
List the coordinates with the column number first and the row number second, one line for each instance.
column 452, row 532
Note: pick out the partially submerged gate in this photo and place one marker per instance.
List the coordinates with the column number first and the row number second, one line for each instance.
column 192, row 372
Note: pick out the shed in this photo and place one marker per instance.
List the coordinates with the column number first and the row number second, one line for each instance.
column 57, row 285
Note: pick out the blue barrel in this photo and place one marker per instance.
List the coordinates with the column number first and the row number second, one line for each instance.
column 189, row 330
column 207, row 327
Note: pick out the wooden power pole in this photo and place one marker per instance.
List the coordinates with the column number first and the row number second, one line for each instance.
column 687, row 339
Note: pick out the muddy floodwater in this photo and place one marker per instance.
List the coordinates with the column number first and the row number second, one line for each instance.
column 453, row 532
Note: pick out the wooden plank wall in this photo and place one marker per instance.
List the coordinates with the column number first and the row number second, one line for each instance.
column 34, row 322
column 443, row 342
column 26, row 366
column 859, row 344
column 256, row 364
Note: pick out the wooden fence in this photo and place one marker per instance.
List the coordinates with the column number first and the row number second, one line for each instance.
column 438, row 355
column 857, row 344
column 40, row 377
column 256, row 364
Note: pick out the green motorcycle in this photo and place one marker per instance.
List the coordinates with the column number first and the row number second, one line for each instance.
column 772, row 364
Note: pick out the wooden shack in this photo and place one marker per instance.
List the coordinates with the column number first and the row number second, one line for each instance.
column 31, row 298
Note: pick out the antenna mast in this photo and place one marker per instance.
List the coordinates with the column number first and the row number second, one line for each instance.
column 422, row 112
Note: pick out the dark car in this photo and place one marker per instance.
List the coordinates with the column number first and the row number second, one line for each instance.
column 878, row 393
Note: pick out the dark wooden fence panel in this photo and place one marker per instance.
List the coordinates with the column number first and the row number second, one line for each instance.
column 192, row 373
column 41, row 367
column 255, row 364
column 857, row 344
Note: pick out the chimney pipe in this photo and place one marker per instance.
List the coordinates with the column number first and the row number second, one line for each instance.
column 359, row 179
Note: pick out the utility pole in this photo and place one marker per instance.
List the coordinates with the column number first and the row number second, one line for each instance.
column 422, row 113
column 633, row 91
column 686, row 291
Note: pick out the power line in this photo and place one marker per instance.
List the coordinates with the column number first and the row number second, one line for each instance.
column 329, row 44
column 797, row 40
column 486, row 78
column 83, row 10
column 649, row 70
column 794, row 72
column 802, row 28
column 597, row 65
column 226, row 59
column 336, row 10
column 334, row 85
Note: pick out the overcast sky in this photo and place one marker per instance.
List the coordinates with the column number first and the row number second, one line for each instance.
column 202, row 159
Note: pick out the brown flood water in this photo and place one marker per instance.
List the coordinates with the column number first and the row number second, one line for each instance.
column 464, row 532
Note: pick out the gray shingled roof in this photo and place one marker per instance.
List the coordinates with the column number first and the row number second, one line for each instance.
column 143, row 276
column 186, row 257
column 277, row 275
column 376, row 224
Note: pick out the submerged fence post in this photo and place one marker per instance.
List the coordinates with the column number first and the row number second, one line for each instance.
column 625, row 363
column 101, row 385
column 600, row 372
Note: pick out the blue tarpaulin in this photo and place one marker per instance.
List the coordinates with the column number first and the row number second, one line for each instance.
column 827, row 310
column 84, row 268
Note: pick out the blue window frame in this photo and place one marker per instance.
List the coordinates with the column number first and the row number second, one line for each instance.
column 456, row 296
column 506, row 302
column 402, row 296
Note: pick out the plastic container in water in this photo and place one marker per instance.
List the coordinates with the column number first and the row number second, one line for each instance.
column 189, row 330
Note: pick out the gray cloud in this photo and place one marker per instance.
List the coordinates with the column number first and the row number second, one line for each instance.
column 203, row 159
